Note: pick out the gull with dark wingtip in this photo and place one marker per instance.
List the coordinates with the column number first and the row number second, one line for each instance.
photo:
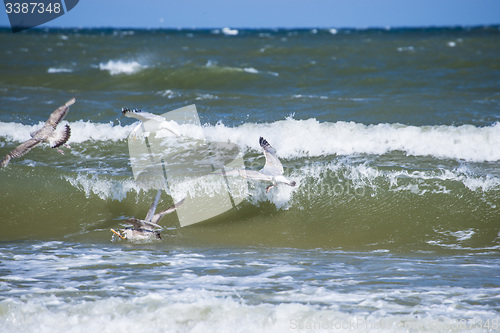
column 147, row 116
column 271, row 172
column 47, row 133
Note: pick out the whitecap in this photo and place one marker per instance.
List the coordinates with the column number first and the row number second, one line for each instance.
column 168, row 93
column 53, row 70
column 250, row 70
column 82, row 131
column 230, row 32
column 201, row 97
column 101, row 187
column 311, row 138
column 116, row 67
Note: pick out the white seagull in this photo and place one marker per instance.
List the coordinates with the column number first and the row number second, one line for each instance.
column 146, row 116
column 47, row 133
column 272, row 170
column 149, row 227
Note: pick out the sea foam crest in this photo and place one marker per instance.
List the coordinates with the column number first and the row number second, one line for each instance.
column 103, row 188
column 311, row 138
column 82, row 131
column 319, row 177
column 115, row 67
column 54, row 70
column 229, row 32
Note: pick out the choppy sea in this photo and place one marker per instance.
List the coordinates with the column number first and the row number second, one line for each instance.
column 393, row 138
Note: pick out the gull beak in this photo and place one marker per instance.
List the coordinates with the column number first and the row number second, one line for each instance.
column 117, row 233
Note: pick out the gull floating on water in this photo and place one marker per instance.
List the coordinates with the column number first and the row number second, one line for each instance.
column 47, row 133
column 140, row 230
column 149, row 227
column 271, row 172
column 146, row 116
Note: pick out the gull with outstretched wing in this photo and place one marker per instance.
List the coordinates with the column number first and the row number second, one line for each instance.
column 272, row 170
column 47, row 133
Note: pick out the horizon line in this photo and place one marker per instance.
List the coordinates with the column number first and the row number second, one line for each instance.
column 320, row 28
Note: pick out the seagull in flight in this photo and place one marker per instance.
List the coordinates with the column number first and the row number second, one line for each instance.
column 271, row 172
column 47, row 133
column 148, row 228
column 146, row 116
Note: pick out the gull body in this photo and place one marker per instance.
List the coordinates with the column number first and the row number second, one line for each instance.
column 272, row 170
column 47, row 133
column 148, row 228
column 147, row 116
column 140, row 230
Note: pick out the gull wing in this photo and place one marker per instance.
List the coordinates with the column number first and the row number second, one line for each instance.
column 58, row 115
column 22, row 149
column 59, row 138
column 152, row 209
column 156, row 218
column 141, row 115
column 141, row 224
column 146, row 116
column 254, row 175
column 273, row 165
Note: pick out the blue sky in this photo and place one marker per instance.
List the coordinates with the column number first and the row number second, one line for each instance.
column 275, row 13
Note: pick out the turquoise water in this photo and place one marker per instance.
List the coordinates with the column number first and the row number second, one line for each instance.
column 391, row 135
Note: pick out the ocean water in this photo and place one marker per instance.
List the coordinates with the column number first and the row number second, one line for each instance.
column 392, row 136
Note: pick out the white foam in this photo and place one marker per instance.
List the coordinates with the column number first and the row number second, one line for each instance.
column 53, row 70
column 250, row 70
column 198, row 310
column 462, row 235
column 17, row 132
column 202, row 97
column 103, row 188
column 406, row 49
column 82, row 131
column 115, row 67
column 309, row 138
column 71, row 287
column 230, row 32
column 168, row 93
column 345, row 178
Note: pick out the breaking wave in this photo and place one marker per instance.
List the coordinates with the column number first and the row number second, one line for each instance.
column 310, row 138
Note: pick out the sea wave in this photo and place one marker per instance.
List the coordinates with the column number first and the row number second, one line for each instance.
column 310, row 138
column 55, row 70
column 115, row 67
column 157, row 290
column 103, row 188
column 337, row 178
